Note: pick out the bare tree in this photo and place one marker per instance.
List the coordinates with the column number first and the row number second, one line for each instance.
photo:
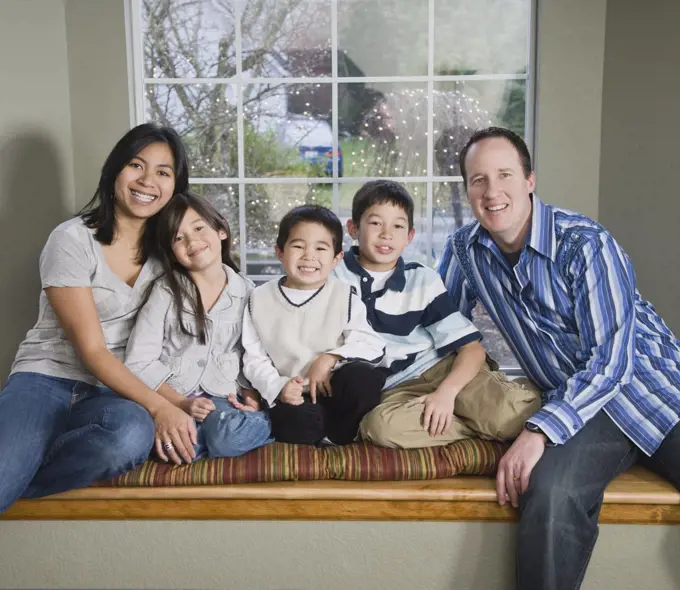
column 197, row 39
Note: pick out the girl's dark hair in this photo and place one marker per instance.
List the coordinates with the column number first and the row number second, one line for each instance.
column 98, row 214
column 181, row 284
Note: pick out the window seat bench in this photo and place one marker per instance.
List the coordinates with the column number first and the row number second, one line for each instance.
column 359, row 482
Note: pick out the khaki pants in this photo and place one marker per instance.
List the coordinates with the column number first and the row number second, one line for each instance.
column 490, row 406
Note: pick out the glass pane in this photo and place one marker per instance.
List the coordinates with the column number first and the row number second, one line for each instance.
column 225, row 199
column 383, row 129
column 481, row 36
column 282, row 38
column 266, row 204
column 450, row 211
column 189, row 38
column 205, row 116
column 459, row 108
column 382, row 38
column 287, row 130
column 493, row 341
column 417, row 249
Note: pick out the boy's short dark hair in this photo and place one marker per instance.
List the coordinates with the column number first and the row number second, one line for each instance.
column 311, row 214
column 377, row 192
column 489, row 132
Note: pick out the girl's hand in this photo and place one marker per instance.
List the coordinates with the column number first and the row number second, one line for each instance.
column 198, row 407
column 251, row 401
column 175, row 434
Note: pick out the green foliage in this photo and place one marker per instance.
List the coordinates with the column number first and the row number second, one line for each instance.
column 512, row 114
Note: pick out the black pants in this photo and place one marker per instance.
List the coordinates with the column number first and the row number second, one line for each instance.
column 560, row 510
column 356, row 391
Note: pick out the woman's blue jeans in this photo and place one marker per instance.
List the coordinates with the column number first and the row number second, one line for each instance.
column 58, row 434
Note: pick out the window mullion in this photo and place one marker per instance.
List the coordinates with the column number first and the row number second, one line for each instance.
column 430, row 130
column 240, row 155
column 334, row 106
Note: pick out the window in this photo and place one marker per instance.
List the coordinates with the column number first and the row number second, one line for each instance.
column 283, row 102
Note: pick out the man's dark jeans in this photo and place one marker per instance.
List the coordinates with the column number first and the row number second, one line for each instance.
column 558, row 525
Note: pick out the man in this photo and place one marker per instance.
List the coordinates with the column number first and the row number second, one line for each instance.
column 562, row 292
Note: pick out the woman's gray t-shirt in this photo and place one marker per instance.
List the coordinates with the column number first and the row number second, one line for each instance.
column 73, row 258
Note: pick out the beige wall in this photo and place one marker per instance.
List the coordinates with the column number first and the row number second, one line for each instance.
column 570, row 43
column 639, row 189
column 310, row 556
column 100, row 114
column 36, row 156
column 63, row 105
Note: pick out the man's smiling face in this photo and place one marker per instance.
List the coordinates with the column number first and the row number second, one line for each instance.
column 499, row 192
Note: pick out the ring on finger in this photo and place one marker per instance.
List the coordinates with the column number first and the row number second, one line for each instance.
column 515, row 477
column 168, row 446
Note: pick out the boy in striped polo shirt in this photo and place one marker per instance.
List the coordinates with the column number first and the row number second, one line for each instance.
column 440, row 387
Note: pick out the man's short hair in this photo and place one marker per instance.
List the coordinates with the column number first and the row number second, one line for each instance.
column 310, row 214
column 377, row 192
column 489, row 132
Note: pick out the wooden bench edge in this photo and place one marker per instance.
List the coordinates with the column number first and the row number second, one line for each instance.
column 322, row 510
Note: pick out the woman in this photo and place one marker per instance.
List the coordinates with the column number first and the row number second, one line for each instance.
column 71, row 412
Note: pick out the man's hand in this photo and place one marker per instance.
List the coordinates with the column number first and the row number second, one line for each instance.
column 514, row 469
column 197, row 407
column 292, row 392
column 438, row 411
column 319, row 375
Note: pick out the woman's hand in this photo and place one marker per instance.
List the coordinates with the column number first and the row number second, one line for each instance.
column 175, row 434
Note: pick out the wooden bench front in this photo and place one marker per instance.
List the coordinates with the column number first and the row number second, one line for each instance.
column 636, row 497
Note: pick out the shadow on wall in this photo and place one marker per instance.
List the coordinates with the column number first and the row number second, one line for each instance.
column 32, row 203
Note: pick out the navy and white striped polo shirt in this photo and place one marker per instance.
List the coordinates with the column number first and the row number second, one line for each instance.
column 413, row 313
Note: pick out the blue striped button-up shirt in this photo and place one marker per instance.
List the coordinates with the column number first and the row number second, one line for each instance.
column 572, row 315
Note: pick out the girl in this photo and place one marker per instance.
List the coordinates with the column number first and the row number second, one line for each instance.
column 71, row 413
column 186, row 343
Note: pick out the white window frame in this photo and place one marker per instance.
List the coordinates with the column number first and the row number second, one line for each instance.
column 138, row 82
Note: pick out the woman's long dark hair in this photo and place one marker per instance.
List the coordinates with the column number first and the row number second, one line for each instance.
column 181, row 284
column 99, row 214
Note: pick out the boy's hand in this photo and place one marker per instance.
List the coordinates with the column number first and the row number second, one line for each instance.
column 198, row 407
column 319, row 375
column 292, row 392
column 438, row 411
column 251, row 401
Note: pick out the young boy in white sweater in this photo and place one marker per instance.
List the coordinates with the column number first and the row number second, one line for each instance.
column 309, row 349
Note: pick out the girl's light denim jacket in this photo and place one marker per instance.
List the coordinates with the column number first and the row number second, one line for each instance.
column 158, row 351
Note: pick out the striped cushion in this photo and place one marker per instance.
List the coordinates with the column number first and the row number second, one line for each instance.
column 356, row 462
